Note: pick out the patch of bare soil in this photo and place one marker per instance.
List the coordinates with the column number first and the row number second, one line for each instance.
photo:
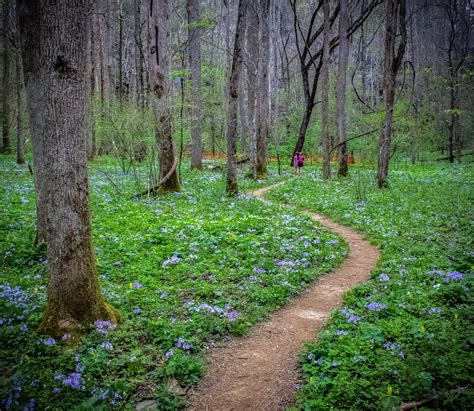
column 258, row 371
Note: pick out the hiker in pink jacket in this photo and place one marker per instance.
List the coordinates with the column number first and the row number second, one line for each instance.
column 298, row 162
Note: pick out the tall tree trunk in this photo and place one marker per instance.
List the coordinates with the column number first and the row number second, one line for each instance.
column 252, row 67
column 54, row 48
column 138, row 34
column 243, row 101
column 231, row 177
column 263, row 101
column 120, row 51
column 341, row 87
column 243, row 104
column 395, row 17
column 325, row 92
column 158, row 62
column 194, row 53
column 452, row 118
column 20, row 140
column 6, row 148
column 94, row 72
column 104, row 57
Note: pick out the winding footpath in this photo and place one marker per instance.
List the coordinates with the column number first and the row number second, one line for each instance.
column 258, row 371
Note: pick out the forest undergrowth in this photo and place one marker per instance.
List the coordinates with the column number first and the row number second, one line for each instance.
column 406, row 335
column 184, row 269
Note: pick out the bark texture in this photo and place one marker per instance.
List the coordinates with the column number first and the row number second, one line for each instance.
column 6, row 148
column 263, row 101
column 325, row 91
column 54, row 48
column 158, row 64
column 341, row 87
column 194, row 54
column 231, row 177
column 252, row 68
column 20, row 137
column 395, row 18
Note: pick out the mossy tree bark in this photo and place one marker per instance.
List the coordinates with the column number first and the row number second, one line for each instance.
column 54, row 59
column 158, row 64
column 231, row 178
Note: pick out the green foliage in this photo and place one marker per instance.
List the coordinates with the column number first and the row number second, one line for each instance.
column 184, row 269
column 405, row 335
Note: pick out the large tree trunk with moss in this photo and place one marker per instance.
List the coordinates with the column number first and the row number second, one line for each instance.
column 158, row 64
column 395, row 19
column 194, row 53
column 231, row 178
column 54, row 59
column 325, row 91
column 263, row 100
column 6, row 148
column 341, row 87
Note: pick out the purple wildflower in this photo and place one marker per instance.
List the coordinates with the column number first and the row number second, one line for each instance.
column 137, row 310
column 104, row 326
column 73, row 380
column 434, row 310
column 15, row 296
column 453, row 275
column 341, row 332
column 49, row 341
column 137, row 285
column 232, row 316
column 180, row 343
column 384, row 277
column 107, row 345
column 310, row 356
column 80, row 368
column 375, row 306
column 56, row 390
column 173, row 260
column 353, row 319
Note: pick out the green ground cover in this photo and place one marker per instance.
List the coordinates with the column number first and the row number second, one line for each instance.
column 407, row 334
column 184, row 270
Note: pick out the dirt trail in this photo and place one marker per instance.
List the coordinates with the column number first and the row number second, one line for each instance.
column 258, row 371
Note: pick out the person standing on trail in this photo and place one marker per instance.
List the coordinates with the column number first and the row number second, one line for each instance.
column 298, row 162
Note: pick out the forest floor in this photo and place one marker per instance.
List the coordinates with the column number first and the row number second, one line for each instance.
column 260, row 371
column 194, row 270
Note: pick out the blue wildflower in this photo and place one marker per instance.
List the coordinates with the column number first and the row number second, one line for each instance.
column 434, row 310
column 73, row 380
column 375, row 306
column 353, row 319
column 107, row 345
column 49, row 341
column 453, row 275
